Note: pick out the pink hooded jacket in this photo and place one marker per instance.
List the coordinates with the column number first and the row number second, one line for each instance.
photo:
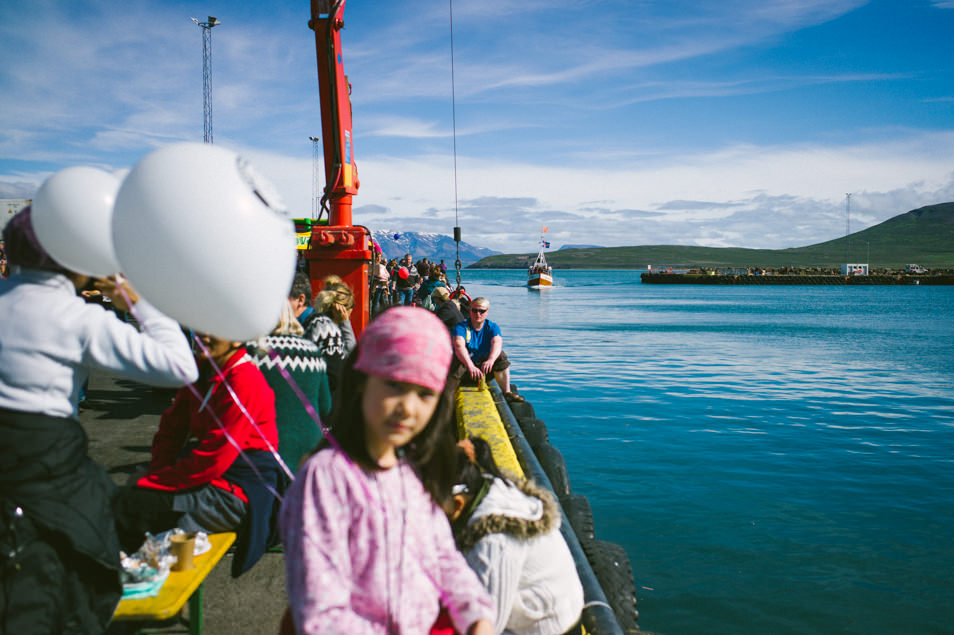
column 370, row 552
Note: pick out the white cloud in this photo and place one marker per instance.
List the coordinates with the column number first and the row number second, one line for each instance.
column 743, row 196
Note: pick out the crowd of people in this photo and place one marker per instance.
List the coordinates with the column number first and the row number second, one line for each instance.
column 405, row 282
column 341, row 448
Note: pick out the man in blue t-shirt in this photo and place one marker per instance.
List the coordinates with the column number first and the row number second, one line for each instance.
column 478, row 347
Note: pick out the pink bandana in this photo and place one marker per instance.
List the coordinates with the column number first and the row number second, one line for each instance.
column 406, row 344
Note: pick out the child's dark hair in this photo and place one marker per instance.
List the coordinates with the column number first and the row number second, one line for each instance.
column 431, row 452
column 471, row 473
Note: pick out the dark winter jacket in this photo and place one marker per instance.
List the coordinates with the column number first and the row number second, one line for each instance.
column 59, row 553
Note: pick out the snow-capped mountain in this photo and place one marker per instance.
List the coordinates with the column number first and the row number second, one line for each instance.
column 434, row 247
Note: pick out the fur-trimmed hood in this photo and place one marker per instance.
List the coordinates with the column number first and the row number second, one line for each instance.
column 523, row 510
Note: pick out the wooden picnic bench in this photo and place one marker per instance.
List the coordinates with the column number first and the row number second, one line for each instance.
column 179, row 587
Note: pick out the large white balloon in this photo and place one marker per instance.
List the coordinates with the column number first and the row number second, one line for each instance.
column 206, row 240
column 72, row 217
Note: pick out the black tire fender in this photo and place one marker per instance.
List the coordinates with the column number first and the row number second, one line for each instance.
column 535, row 432
column 578, row 512
column 615, row 575
column 521, row 410
column 551, row 460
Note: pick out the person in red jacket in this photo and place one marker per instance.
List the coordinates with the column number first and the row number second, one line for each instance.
column 197, row 479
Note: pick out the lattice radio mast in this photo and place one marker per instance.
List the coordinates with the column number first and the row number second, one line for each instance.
column 207, row 75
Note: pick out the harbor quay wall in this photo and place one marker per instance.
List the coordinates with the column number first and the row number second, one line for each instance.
column 689, row 278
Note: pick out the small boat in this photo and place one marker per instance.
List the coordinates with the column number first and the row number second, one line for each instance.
column 540, row 274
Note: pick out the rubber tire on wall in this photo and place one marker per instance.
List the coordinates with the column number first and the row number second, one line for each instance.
column 551, row 460
column 580, row 515
column 615, row 575
column 535, row 432
column 522, row 410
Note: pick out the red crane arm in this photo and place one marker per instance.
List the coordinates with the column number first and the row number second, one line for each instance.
column 341, row 174
column 338, row 248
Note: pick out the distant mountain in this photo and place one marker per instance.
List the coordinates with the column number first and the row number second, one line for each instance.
column 580, row 247
column 435, row 247
column 924, row 236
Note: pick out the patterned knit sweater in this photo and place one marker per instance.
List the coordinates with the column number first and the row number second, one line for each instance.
column 298, row 432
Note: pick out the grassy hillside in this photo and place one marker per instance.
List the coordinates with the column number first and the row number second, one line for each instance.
column 924, row 236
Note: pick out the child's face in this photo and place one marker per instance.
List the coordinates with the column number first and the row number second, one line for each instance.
column 394, row 413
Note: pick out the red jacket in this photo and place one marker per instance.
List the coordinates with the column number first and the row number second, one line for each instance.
column 189, row 418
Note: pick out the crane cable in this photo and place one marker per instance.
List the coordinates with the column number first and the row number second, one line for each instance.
column 457, row 264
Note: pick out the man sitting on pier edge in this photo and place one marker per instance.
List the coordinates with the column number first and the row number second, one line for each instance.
column 478, row 347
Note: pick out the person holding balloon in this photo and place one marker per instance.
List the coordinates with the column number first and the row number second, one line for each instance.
column 61, row 571
column 214, row 464
column 408, row 279
column 368, row 548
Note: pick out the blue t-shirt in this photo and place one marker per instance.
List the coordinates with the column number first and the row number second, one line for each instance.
column 478, row 342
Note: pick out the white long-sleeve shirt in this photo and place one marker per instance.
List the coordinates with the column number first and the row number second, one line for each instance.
column 50, row 339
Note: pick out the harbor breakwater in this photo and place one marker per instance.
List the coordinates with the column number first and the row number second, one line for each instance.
column 737, row 279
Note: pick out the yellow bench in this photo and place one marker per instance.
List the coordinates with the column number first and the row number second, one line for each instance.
column 179, row 587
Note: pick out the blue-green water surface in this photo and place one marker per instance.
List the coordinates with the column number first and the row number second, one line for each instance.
column 773, row 459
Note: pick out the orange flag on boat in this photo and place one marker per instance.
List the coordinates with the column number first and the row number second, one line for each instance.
column 546, row 229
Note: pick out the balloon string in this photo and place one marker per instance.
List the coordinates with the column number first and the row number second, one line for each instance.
column 132, row 309
column 235, row 444
column 326, row 431
column 305, row 401
column 238, row 402
column 310, row 409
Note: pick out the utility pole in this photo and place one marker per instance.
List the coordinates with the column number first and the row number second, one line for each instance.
column 207, row 76
column 848, row 228
column 316, row 149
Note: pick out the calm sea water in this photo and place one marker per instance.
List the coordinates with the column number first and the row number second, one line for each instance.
column 773, row 459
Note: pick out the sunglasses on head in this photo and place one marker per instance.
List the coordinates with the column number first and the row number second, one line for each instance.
column 478, row 311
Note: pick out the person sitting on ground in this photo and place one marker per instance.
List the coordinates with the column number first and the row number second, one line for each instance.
column 298, row 432
column 300, row 297
column 509, row 532
column 478, row 347
column 61, row 569
column 197, row 480
column 447, row 309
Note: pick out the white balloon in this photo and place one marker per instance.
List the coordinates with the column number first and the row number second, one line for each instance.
column 206, row 240
column 72, row 217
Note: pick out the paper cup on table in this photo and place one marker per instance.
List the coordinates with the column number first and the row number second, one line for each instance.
column 182, row 546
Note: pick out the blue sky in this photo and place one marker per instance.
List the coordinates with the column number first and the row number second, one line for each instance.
column 612, row 122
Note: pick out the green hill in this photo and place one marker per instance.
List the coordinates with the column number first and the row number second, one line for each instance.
column 924, row 236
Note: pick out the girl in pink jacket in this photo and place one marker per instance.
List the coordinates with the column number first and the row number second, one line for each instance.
column 368, row 549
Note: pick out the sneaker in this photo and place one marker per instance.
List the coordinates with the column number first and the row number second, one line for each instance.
column 513, row 397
